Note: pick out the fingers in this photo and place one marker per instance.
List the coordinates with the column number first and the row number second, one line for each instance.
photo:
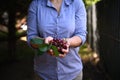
column 62, row 55
column 48, row 39
column 64, row 50
column 50, row 52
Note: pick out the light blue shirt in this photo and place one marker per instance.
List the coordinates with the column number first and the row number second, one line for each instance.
column 43, row 20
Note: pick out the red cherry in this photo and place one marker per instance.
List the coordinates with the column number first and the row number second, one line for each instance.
column 60, row 43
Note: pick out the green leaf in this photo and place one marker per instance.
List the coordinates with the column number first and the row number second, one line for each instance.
column 37, row 41
column 40, row 52
column 55, row 50
column 43, row 47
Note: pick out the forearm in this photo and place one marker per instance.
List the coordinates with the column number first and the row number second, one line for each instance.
column 74, row 41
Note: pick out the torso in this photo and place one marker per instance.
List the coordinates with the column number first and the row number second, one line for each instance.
column 49, row 23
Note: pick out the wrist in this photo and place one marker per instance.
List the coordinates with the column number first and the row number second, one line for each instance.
column 68, row 41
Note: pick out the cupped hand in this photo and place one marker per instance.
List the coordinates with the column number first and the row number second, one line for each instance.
column 47, row 41
column 63, row 54
column 65, row 51
column 50, row 51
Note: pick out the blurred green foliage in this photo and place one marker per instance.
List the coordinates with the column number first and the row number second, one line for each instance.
column 89, row 3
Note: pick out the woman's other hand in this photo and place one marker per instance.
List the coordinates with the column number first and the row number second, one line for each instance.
column 65, row 51
column 47, row 41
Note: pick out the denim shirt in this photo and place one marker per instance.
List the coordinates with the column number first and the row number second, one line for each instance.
column 43, row 20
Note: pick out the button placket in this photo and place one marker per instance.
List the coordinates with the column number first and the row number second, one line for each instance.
column 56, row 31
column 58, row 67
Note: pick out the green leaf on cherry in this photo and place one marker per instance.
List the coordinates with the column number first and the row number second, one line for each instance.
column 44, row 47
column 55, row 50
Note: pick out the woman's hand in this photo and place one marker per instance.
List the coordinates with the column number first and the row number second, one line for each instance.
column 63, row 54
column 47, row 41
column 63, row 51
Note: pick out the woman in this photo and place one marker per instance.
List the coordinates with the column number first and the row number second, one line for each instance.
column 49, row 19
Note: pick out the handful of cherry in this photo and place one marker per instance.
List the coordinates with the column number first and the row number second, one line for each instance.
column 60, row 44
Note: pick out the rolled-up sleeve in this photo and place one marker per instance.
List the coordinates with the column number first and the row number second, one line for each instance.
column 80, row 21
column 31, row 21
